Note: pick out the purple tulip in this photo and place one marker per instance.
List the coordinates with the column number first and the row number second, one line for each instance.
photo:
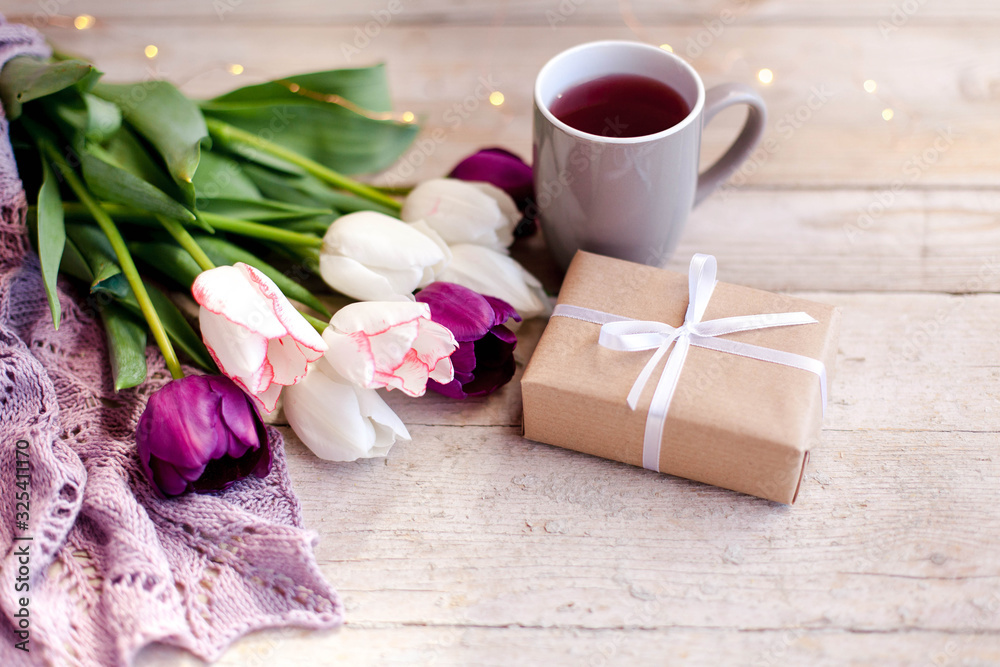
column 501, row 168
column 201, row 433
column 484, row 360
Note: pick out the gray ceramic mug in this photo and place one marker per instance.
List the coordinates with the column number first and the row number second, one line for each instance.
column 628, row 197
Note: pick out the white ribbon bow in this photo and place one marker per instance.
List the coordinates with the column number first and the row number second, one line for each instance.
column 628, row 335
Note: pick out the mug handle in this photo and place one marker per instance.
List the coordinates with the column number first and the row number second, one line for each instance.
column 717, row 99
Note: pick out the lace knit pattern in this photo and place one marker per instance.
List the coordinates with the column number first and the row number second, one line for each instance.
column 112, row 565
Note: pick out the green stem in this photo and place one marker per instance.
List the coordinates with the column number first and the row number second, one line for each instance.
column 318, row 324
column 186, row 241
column 107, row 225
column 225, row 132
column 398, row 190
column 259, row 231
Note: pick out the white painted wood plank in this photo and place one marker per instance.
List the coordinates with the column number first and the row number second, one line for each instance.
column 517, row 12
column 472, row 527
column 444, row 74
column 489, row 647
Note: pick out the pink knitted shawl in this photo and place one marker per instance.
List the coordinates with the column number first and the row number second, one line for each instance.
column 112, row 566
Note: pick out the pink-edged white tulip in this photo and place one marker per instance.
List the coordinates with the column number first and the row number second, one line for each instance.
column 253, row 332
column 494, row 274
column 374, row 257
column 338, row 420
column 392, row 344
column 463, row 212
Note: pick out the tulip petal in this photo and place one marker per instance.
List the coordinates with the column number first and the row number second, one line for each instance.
column 326, row 416
column 237, row 414
column 239, row 352
column 374, row 317
column 501, row 168
column 310, row 342
column 451, row 389
column 504, row 334
column 226, row 291
column 184, row 441
column 378, row 240
column 502, row 311
column 443, row 372
column 167, row 478
column 354, row 279
column 465, row 313
column 389, row 347
column 410, row 377
column 289, row 359
column 505, row 234
column 268, row 398
column 435, row 269
column 433, row 343
column 491, row 273
column 461, row 212
column 464, row 361
column 388, row 426
column 350, row 358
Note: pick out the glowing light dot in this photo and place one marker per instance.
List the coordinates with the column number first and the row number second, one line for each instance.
column 765, row 76
column 496, row 98
column 236, row 69
column 151, row 51
column 870, row 86
column 887, row 114
column 667, row 47
column 408, row 117
column 83, row 21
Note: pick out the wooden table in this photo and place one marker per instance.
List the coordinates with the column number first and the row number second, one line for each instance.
column 470, row 545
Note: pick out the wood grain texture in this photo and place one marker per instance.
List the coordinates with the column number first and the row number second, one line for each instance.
column 470, row 537
column 515, row 12
column 472, row 546
column 824, row 129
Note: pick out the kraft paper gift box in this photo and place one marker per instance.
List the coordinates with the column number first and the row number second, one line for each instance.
column 740, row 422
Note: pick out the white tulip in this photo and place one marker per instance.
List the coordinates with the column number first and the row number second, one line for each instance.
column 464, row 212
column 390, row 344
column 340, row 421
column 494, row 274
column 253, row 332
column 374, row 257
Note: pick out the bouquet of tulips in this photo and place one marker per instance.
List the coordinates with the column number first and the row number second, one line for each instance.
column 246, row 202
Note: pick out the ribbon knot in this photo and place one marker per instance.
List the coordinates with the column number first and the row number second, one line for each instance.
column 628, row 335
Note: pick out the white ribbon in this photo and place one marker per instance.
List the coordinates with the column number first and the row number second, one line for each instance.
column 628, row 335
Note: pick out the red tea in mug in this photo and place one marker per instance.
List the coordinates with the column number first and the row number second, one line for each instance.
column 620, row 105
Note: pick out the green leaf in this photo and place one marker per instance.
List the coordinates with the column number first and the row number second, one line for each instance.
column 367, row 87
column 96, row 250
column 221, row 177
column 224, row 253
column 309, row 191
column 27, row 78
column 174, row 323
column 329, row 133
column 262, row 210
column 126, row 346
column 179, row 330
column 103, row 118
column 112, row 183
column 170, row 121
column 51, row 237
column 334, row 136
column 282, row 186
column 73, row 263
column 129, row 153
column 94, row 118
column 169, row 259
column 318, row 225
